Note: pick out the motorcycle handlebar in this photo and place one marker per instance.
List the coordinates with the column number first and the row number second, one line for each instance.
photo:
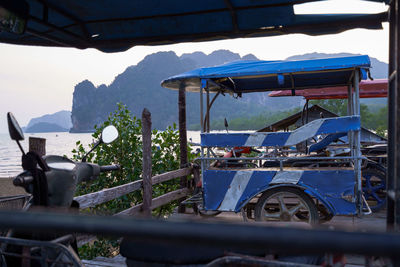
column 107, row 168
column 22, row 180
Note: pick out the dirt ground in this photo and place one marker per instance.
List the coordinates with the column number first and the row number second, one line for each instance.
column 8, row 189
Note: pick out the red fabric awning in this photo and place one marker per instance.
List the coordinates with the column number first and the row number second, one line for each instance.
column 368, row 89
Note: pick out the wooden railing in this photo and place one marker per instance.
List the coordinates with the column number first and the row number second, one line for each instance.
column 105, row 195
column 148, row 204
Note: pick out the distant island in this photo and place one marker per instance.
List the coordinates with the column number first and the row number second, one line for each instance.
column 56, row 122
column 45, row 127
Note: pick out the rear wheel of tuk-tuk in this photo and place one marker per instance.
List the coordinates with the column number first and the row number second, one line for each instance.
column 207, row 213
column 286, row 204
column 374, row 188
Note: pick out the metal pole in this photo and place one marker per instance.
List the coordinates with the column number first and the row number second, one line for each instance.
column 203, row 84
column 391, row 115
column 396, row 124
column 214, row 235
column 202, row 130
column 349, row 113
column 357, row 148
column 208, row 111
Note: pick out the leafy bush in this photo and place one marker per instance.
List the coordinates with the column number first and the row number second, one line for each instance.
column 127, row 151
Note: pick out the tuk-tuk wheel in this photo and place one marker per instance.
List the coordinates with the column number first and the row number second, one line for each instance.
column 286, row 204
column 207, row 213
column 374, row 188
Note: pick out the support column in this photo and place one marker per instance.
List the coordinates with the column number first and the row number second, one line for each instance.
column 391, row 170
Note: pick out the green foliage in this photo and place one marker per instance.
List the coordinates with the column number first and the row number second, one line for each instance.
column 337, row 106
column 127, row 151
column 101, row 247
column 250, row 123
column 376, row 121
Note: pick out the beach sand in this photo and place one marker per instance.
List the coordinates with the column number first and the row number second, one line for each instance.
column 8, row 189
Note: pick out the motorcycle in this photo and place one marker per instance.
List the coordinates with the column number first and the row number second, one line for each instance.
column 51, row 181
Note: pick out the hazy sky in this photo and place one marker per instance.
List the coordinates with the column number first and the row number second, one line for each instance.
column 35, row 81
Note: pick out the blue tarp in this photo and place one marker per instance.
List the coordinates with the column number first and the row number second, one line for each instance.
column 256, row 76
column 117, row 25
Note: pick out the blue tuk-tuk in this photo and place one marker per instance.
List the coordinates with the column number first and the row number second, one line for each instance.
column 266, row 187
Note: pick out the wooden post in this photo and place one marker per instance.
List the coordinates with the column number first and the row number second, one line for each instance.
column 196, row 174
column 182, row 131
column 37, row 145
column 147, row 186
column 182, row 136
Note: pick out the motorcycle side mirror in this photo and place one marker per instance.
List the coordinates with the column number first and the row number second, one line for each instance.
column 109, row 134
column 15, row 131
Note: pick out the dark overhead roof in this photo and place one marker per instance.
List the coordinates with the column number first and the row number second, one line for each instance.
column 117, row 25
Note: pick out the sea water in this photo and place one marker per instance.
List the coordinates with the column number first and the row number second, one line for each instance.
column 56, row 144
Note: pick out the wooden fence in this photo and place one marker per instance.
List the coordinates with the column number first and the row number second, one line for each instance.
column 96, row 198
column 145, row 184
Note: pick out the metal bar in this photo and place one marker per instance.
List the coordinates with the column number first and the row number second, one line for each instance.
column 223, row 235
column 35, row 243
column 201, row 126
column 392, row 75
column 59, row 29
column 233, row 15
column 208, row 111
column 202, row 130
column 49, row 38
column 204, row 11
column 396, row 124
column 391, row 115
column 283, row 158
column 349, row 113
column 207, row 126
column 237, row 260
column 209, row 108
column 78, row 21
column 357, row 148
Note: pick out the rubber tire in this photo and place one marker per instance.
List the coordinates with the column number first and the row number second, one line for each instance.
column 306, row 198
column 207, row 214
column 382, row 175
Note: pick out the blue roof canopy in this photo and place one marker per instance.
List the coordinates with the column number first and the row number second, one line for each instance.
column 257, row 76
column 117, row 25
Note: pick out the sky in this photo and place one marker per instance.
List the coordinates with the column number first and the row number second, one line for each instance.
column 35, row 81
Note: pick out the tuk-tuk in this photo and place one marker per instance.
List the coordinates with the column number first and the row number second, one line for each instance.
column 263, row 187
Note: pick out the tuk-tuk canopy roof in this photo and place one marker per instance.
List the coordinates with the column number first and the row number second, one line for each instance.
column 113, row 26
column 257, row 76
column 368, row 89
